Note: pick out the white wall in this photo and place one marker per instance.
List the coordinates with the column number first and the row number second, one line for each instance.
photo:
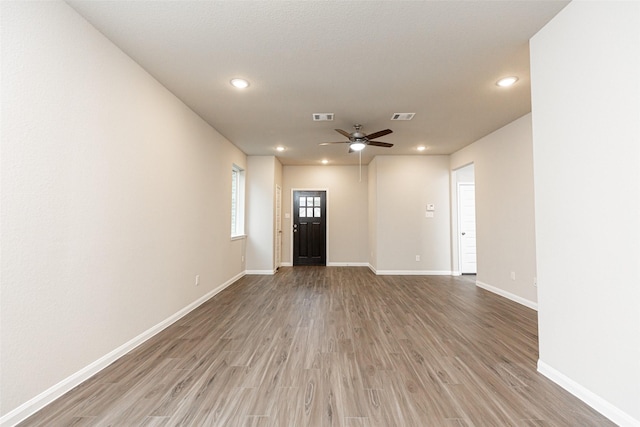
column 261, row 190
column 347, row 209
column 114, row 196
column 404, row 187
column 278, row 182
column 505, row 219
column 586, row 129
column 373, row 214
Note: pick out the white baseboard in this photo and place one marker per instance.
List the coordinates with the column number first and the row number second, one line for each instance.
column 43, row 399
column 347, row 264
column 412, row 272
column 456, row 273
column 261, row 272
column 408, row 272
column 596, row 402
column 331, row 264
column 508, row 295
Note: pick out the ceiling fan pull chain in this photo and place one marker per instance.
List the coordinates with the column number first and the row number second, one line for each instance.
column 360, row 162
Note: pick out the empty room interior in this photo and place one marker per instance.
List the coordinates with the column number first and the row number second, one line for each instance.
column 379, row 213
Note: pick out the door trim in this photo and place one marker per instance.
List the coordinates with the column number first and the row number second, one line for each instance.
column 326, row 190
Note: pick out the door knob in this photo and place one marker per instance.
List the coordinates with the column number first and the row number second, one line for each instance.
column 463, row 233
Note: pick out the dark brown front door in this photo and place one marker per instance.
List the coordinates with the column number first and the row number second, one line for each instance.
column 309, row 228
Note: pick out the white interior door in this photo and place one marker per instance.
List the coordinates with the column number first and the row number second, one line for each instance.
column 467, row 227
column 278, row 227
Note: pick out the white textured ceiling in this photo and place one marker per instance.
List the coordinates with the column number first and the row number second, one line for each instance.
column 362, row 61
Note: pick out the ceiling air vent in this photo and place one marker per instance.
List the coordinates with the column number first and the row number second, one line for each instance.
column 322, row 117
column 402, row 116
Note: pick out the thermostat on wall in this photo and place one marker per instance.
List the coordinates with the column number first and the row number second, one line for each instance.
column 431, row 207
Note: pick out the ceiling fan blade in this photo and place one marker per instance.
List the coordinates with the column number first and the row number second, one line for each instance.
column 334, row 142
column 380, row 144
column 379, row 134
column 343, row 132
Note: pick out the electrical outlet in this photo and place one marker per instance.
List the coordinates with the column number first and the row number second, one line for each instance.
column 513, row 275
column 242, row 260
column 417, row 257
column 197, row 279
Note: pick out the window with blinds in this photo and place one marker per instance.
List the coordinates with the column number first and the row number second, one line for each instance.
column 237, row 201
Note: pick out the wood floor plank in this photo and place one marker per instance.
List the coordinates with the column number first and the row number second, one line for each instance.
column 332, row 346
column 288, row 408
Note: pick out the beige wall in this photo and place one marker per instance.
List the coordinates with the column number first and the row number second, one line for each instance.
column 114, row 196
column 586, row 128
column 505, row 219
column 404, row 187
column 347, row 209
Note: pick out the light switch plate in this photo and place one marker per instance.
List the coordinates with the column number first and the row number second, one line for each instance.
column 431, row 207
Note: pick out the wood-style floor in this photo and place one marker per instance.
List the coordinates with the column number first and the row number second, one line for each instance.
column 333, row 346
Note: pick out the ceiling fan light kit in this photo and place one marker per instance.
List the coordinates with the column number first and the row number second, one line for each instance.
column 357, row 146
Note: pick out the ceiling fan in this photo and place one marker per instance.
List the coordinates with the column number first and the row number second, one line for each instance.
column 358, row 140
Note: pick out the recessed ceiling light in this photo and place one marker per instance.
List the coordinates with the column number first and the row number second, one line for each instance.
column 280, row 148
column 239, row 83
column 421, row 148
column 325, row 161
column 507, row 81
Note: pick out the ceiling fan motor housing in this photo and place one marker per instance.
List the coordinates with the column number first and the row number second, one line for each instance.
column 357, row 135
